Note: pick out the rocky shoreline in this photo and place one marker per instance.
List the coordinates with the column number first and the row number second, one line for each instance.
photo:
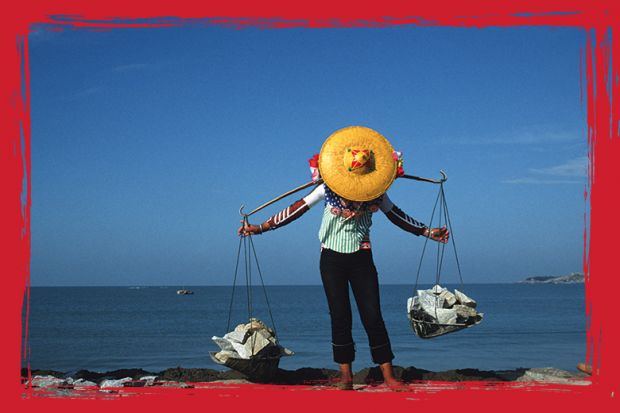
column 50, row 380
column 573, row 278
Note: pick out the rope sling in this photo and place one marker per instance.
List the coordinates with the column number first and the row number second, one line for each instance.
column 422, row 325
column 249, row 251
column 262, row 365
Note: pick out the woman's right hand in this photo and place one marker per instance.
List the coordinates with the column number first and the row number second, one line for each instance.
column 248, row 229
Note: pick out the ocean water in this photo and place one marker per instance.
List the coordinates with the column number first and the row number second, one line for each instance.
column 107, row 328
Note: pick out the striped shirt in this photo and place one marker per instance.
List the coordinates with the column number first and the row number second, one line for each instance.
column 348, row 233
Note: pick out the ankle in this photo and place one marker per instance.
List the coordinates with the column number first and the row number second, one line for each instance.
column 346, row 373
column 388, row 372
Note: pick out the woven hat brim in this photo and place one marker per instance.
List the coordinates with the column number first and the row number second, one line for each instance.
column 352, row 186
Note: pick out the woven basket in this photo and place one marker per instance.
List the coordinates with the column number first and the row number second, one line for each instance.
column 426, row 326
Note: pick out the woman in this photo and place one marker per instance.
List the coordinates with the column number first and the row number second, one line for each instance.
column 357, row 165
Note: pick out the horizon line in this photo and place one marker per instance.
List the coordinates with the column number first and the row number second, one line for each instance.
column 184, row 286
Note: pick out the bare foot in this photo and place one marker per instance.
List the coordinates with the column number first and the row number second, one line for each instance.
column 344, row 385
column 390, row 381
column 586, row 368
column 396, row 385
column 346, row 377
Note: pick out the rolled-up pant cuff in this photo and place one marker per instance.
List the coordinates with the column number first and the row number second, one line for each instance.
column 382, row 353
column 344, row 353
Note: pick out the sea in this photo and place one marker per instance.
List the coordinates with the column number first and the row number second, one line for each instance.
column 154, row 328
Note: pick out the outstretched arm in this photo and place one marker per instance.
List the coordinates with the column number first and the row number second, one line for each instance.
column 409, row 224
column 287, row 215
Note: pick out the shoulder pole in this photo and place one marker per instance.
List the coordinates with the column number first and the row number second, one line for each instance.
column 443, row 179
column 284, row 195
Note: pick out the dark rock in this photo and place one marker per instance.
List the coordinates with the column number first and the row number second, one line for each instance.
column 511, row 375
column 189, row 375
column 305, row 375
column 413, row 374
column 88, row 375
column 133, row 373
column 373, row 375
column 33, row 373
column 462, row 375
column 110, row 375
column 230, row 375
column 135, row 383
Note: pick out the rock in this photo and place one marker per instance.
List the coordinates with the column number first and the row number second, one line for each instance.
column 148, row 380
column 429, row 301
column 224, row 355
column 180, row 385
column 190, row 375
column 462, row 375
column 435, row 312
column 552, row 375
column 33, row 373
column 449, row 299
column 48, row 382
column 122, row 373
column 110, row 375
column 251, row 349
column 252, row 345
column 466, row 315
column 445, row 315
column 81, row 382
column 236, row 381
column 88, row 375
column 413, row 374
column 224, row 343
column 246, row 341
column 135, row 383
column 462, row 299
column 230, row 375
column 305, row 375
column 105, row 384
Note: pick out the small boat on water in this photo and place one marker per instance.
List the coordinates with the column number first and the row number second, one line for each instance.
column 185, row 292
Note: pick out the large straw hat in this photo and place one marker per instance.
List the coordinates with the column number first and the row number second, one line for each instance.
column 357, row 163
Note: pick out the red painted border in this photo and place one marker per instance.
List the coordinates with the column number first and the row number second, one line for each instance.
column 603, row 106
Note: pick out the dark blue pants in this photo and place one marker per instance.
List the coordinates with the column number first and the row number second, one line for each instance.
column 338, row 271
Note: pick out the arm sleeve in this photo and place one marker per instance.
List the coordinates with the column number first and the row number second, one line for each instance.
column 401, row 219
column 297, row 209
column 318, row 194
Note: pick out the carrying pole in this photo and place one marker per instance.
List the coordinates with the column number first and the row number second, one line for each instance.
column 284, row 195
column 443, row 179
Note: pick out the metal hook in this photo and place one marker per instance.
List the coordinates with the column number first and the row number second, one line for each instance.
column 243, row 214
column 444, row 176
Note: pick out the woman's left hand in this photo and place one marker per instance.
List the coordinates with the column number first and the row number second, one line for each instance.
column 438, row 234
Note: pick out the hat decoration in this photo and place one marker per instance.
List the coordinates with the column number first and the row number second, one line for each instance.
column 314, row 167
column 398, row 157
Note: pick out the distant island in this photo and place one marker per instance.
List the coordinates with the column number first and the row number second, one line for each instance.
column 574, row 278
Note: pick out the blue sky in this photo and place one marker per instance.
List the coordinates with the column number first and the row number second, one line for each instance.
column 145, row 142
